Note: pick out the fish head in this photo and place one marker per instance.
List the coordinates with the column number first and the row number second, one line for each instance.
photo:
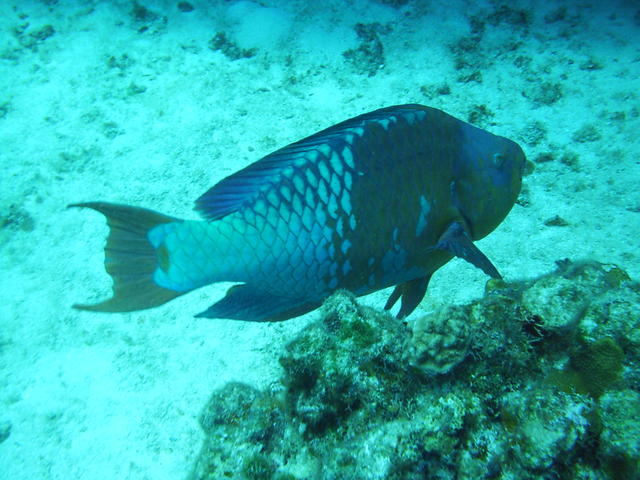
column 487, row 179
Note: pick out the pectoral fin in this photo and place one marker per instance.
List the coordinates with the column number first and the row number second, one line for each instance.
column 411, row 292
column 457, row 241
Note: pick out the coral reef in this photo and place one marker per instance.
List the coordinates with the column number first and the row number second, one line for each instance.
column 620, row 438
column 535, row 380
column 440, row 341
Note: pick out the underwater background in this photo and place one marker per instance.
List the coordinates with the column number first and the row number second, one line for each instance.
column 151, row 103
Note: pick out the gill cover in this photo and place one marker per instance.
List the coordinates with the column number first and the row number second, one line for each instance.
column 488, row 177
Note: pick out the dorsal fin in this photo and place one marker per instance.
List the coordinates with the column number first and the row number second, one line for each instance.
column 241, row 188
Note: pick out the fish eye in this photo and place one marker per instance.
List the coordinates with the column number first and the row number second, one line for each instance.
column 498, row 160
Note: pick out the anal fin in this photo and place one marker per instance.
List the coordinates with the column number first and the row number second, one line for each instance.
column 457, row 241
column 411, row 294
column 245, row 302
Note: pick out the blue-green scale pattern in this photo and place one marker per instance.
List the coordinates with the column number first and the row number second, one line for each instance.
column 303, row 234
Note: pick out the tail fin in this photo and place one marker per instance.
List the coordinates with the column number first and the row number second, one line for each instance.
column 130, row 258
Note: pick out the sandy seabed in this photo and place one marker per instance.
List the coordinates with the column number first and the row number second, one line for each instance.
column 151, row 103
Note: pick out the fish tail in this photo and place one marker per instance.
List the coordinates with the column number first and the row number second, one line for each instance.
column 130, row 258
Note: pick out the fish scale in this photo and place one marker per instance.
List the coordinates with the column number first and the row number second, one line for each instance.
column 382, row 199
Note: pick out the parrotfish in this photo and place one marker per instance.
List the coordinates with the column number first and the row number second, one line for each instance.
column 382, row 199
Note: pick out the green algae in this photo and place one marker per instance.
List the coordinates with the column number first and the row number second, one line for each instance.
column 258, row 467
column 615, row 276
column 598, row 365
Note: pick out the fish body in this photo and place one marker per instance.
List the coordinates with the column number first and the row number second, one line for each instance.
column 382, row 199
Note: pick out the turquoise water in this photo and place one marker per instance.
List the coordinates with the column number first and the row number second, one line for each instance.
column 151, row 103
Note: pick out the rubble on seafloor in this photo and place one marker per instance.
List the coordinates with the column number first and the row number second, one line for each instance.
column 538, row 379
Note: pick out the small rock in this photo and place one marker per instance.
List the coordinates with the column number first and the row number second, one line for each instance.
column 544, row 157
column 556, row 221
column 185, row 7
column 587, row 133
column 5, row 430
